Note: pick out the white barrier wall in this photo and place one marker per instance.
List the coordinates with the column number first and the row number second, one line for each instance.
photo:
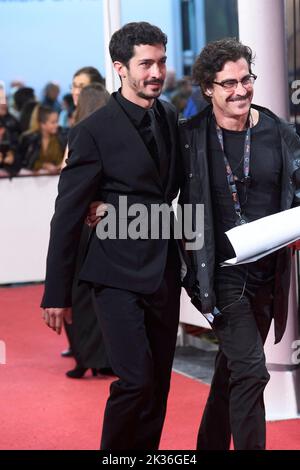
column 26, row 208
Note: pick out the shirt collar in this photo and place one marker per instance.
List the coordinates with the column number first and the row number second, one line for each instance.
column 135, row 112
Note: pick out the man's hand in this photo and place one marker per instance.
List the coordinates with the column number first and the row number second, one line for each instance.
column 96, row 212
column 54, row 317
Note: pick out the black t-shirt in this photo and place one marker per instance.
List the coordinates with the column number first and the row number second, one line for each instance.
column 262, row 197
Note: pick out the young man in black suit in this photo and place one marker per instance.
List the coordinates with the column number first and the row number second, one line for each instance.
column 127, row 148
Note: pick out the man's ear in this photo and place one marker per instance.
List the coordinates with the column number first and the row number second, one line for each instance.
column 120, row 69
column 209, row 92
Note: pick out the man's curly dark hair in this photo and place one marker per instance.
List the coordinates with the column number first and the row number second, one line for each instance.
column 213, row 57
column 121, row 46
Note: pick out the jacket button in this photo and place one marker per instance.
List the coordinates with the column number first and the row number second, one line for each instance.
column 187, row 146
column 190, row 175
column 206, row 294
column 203, row 265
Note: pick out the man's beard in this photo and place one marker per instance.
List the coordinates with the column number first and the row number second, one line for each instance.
column 151, row 95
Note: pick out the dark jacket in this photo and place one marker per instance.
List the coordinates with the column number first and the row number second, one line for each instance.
column 10, row 141
column 196, row 190
column 108, row 159
column 13, row 127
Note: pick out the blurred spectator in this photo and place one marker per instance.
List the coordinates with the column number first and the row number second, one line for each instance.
column 33, row 117
column 182, row 94
column 169, row 86
column 195, row 104
column 85, row 334
column 21, row 97
column 2, row 93
column 25, row 102
column 26, row 115
column 66, row 114
column 43, row 149
column 92, row 97
column 50, row 99
column 14, row 86
column 8, row 151
column 11, row 124
column 179, row 100
column 185, row 85
column 84, row 77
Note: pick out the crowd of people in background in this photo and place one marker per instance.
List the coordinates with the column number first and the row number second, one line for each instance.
column 33, row 133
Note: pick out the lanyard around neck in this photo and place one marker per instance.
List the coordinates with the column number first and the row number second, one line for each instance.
column 231, row 178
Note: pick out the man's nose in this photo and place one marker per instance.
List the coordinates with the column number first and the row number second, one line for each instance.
column 155, row 71
column 240, row 89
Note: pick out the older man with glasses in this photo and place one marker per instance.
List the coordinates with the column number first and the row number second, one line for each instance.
column 241, row 162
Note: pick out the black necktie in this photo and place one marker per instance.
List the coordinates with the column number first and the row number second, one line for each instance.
column 153, row 132
column 156, row 135
column 153, row 123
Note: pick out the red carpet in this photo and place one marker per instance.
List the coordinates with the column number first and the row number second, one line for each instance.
column 42, row 409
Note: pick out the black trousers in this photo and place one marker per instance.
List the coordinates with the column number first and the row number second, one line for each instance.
column 235, row 404
column 140, row 334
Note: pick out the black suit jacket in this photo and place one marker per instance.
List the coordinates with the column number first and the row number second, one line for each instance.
column 108, row 159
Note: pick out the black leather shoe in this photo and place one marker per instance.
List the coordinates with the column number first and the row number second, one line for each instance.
column 67, row 353
column 105, row 371
column 79, row 372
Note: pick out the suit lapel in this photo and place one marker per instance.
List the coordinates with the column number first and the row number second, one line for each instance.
column 172, row 150
column 131, row 138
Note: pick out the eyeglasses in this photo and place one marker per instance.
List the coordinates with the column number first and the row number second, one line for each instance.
column 247, row 81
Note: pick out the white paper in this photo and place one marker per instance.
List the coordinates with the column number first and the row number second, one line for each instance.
column 257, row 239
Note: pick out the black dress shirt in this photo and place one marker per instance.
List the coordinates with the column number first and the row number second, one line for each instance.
column 156, row 140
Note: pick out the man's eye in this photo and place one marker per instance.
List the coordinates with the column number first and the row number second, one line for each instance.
column 246, row 80
column 229, row 83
